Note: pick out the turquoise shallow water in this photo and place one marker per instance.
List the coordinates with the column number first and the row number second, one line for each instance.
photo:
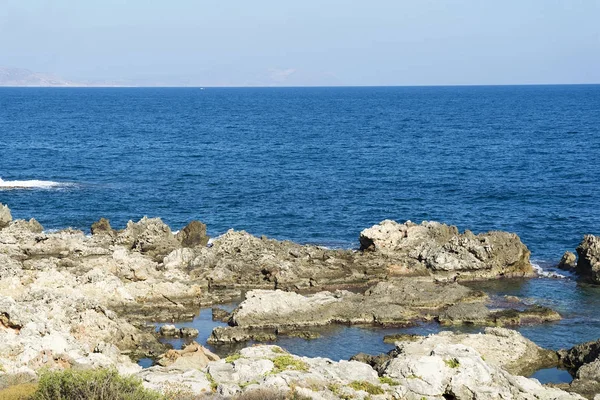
column 318, row 165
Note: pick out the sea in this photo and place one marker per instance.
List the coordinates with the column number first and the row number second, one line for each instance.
column 318, row 165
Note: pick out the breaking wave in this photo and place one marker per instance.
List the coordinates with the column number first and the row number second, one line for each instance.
column 31, row 184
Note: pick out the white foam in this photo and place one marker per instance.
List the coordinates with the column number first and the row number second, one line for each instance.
column 547, row 274
column 30, row 184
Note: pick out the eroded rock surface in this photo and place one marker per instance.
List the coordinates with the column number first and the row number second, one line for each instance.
column 439, row 371
column 588, row 262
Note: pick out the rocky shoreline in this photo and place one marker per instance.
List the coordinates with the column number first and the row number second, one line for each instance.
column 71, row 300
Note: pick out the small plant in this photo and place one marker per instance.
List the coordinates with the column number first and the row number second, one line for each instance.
column 213, row 384
column 366, row 387
column 388, row 380
column 233, row 357
column 102, row 384
column 288, row 362
column 21, row 391
column 452, row 363
column 337, row 390
column 278, row 350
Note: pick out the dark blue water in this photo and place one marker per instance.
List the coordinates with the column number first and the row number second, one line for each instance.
column 319, row 165
column 311, row 164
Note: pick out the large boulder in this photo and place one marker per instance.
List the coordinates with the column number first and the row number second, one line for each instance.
column 440, row 249
column 194, row 234
column 588, row 263
column 5, row 216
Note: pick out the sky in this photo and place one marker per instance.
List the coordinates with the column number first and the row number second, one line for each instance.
column 305, row 42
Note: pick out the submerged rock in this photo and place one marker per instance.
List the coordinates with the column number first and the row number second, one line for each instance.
column 588, row 262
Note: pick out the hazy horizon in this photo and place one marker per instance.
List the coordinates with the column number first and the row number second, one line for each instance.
column 268, row 43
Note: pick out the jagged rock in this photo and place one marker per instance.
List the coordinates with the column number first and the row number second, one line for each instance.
column 218, row 314
column 5, row 216
column 193, row 235
column 568, row 261
column 434, row 369
column 441, row 249
column 588, row 261
column 169, row 330
column 194, row 356
column 447, row 370
column 102, row 227
column 580, row 354
column 236, row 334
column 149, row 236
column 479, row 314
column 189, row 332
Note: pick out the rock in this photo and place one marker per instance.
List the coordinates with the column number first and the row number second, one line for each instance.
column 479, row 314
column 588, row 262
column 224, row 335
column 102, row 227
column 188, row 332
column 5, row 216
column 164, row 380
column 580, row 354
column 441, row 249
column 445, row 371
column 169, row 330
column 524, row 357
column 401, row 337
column 458, row 371
column 194, row 356
column 149, row 236
column 218, row 314
column 587, row 380
column 568, row 261
column 193, row 235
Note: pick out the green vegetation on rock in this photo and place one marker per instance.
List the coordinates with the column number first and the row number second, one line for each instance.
column 288, row 362
column 367, row 387
column 103, row 384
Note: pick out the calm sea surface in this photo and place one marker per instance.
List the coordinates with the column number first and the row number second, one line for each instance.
column 318, row 165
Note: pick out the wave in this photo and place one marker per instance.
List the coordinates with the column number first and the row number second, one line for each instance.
column 546, row 273
column 31, row 184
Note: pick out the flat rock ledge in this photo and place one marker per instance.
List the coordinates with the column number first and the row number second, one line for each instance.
column 266, row 314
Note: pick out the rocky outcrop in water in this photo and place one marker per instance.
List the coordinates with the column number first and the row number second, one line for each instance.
column 440, row 249
column 568, row 261
column 588, row 262
column 583, row 360
column 264, row 314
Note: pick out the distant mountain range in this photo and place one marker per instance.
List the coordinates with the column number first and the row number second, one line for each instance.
column 25, row 77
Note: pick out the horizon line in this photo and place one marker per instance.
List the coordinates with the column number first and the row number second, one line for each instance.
column 83, row 86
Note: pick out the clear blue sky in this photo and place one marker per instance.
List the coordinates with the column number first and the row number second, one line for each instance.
column 305, row 42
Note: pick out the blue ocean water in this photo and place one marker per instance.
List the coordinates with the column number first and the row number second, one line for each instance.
column 311, row 164
column 318, row 165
